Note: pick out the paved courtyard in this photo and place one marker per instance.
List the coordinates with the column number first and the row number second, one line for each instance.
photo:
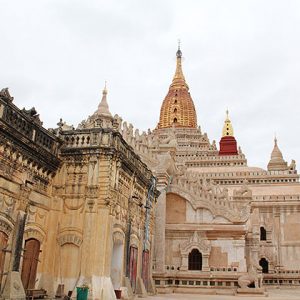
column 284, row 294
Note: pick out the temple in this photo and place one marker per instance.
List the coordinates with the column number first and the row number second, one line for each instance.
column 129, row 213
column 216, row 217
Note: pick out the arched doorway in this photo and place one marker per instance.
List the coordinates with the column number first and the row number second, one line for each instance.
column 265, row 265
column 3, row 244
column 195, row 260
column 116, row 269
column 30, row 263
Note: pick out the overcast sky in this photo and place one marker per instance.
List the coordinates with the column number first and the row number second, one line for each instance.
column 240, row 55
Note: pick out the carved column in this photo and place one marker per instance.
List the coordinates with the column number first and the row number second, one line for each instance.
column 13, row 287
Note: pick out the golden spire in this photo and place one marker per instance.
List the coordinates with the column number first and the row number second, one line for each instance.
column 178, row 107
column 227, row 128
column 178, row 78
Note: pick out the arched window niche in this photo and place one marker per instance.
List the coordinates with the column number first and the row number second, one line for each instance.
column 264, row 264
column 195, row 260
column 195, row 253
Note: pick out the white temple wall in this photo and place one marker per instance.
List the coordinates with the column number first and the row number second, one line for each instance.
column 290, row 257
column 227, row 249
column 289, row 239
column 172, row 248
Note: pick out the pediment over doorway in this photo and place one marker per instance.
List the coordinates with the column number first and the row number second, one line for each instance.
column 196, row 241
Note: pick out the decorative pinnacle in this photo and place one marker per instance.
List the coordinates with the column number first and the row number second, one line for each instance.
column 227, row 128
column 275, row 138
column 103, row 108
column 179, row 53
column 179, row 77
column 105, row 89
column 227, row 114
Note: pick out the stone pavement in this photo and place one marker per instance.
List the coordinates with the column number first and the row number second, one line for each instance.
column 278, row 294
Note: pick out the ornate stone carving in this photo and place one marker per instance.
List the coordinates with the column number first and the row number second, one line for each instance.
column 292, row 165
column 73, row 238
column 6, row 225
column 4, row 93
column 134, row 240
column 34, row 233
column 243, row 192
column 78, row 206
column 24, row 197
column 171, row 140
column 211, row 197
column 198, row 241
column 32, row 113
column 118, row 236
column 253, row 275
column 7, row 205
column 121, row 214
column 91, row 192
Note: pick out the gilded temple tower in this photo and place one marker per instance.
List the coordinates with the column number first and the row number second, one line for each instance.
column 178, row 107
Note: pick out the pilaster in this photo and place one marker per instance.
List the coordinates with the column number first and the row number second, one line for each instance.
column 160, row 225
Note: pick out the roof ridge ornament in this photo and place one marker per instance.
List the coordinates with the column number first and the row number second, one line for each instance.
column 4, row 94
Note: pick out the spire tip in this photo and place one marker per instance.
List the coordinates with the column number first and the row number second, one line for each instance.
column 105, row 88
column 179, row 53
